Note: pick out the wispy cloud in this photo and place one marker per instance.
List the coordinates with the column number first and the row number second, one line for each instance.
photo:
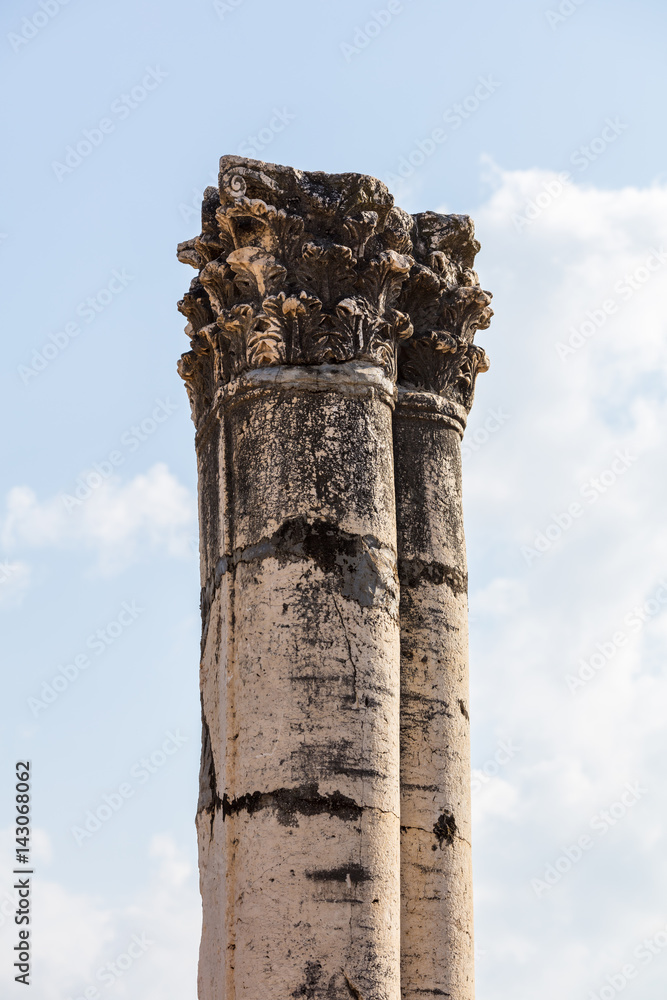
column 119, row 522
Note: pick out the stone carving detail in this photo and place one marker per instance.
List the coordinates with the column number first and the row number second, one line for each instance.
column 447, row 306
column 299, row 268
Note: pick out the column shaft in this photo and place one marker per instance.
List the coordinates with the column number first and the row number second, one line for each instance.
column 299, row 811
column 436, row 865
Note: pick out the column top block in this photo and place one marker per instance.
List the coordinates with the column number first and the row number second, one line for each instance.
column 304, row 267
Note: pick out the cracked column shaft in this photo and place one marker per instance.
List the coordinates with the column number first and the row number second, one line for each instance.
column 437, row 371
column 292, row 381
column 306, row 285
column 299, row 815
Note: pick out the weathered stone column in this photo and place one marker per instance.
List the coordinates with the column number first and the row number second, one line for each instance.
column 292, row 381
column 437, row 371
column 310, row 853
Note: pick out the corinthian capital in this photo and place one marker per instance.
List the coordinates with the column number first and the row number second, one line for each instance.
column 298, row 268
column 447, row 306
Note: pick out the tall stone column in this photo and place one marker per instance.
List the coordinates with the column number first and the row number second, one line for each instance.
column 437, row 371
column 308, row 286
column 292, row 381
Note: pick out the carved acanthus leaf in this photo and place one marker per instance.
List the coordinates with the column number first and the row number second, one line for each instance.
column 464, row 310
column 251, row 222
column 218, row 280
column 383, row 278
column 328, row 272
column 288, row 330
column 359, row 230
column 197, row 374
column 236, row 326
column 187, row 253
column 208, row 247
column 257, row 273
column 196, row 307
column 441, row 364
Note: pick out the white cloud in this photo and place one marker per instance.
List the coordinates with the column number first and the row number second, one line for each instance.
column 117, row 521
column 534, row 624
column 75, row 935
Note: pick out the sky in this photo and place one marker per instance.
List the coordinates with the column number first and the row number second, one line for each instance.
column 544, row 122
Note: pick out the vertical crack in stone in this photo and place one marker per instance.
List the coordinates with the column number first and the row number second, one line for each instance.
column 209, row 800
column 355, row 992
column 349, row 654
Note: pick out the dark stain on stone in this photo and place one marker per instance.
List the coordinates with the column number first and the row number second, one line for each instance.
column 355, row 872
column 445, row 829
column 411, row 572
column 313, row 974
column 289, row 802
column 365, row 567
column 433, row 992
column 415, row 705
column 314, row 762
column 464, row 710
column 343, row 899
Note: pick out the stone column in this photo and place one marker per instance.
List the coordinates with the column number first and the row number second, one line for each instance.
column 437, row 371
column 291, row 376
column 307, row 284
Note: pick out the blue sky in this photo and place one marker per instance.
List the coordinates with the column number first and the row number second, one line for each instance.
column 476, row 108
